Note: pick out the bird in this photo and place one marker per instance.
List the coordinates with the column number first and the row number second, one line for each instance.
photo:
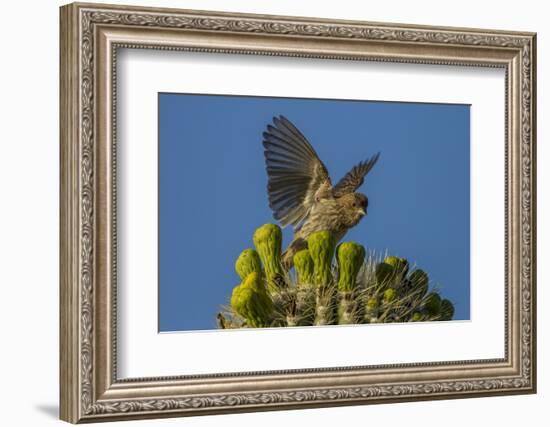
column 300, row 190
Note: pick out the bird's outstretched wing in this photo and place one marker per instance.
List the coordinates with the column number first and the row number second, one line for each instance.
column 295, row 173
column 355, row 177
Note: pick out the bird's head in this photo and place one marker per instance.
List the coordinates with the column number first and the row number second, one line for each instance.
column 361, row 203
column 355, row 205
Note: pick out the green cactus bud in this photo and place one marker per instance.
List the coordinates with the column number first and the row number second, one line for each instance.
column 390, row 295
column 304, row 266
column 248, row 262
column 372, row 304
column 447, row 310
column 433, row 304
column 268, row 239
column 417, row 317
column 321, row 249
column 251, row 300
column 384, row 273
column 401, row 265
column 350, row 257
column 372, row 310
column 419, row 280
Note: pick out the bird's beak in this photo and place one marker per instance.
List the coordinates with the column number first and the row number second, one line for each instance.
column 361, row 211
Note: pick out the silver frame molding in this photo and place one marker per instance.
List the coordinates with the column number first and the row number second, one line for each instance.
column 90, row 37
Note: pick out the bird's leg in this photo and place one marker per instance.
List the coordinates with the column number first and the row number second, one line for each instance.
column 288, row 255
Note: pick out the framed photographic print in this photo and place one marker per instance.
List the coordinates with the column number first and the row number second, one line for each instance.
column 266, row 212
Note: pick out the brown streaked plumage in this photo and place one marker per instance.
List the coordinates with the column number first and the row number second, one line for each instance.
column 300, row 190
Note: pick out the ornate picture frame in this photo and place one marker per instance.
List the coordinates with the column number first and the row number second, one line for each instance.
column 90, row 37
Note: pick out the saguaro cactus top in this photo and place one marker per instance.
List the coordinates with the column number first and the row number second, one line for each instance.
column 363, row 289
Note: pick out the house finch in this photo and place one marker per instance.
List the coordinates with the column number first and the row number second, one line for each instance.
column 300, row 190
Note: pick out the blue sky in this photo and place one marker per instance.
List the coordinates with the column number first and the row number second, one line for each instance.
column 212, row 189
